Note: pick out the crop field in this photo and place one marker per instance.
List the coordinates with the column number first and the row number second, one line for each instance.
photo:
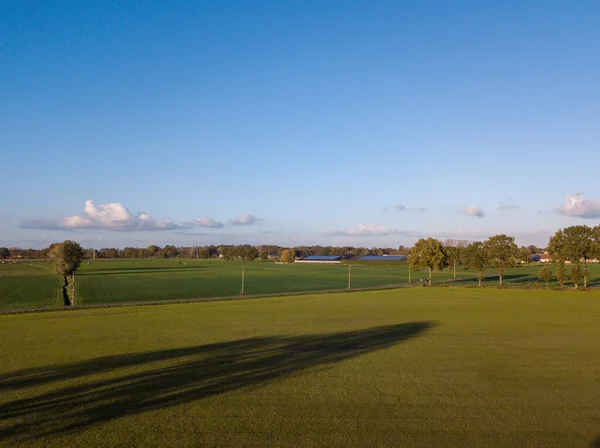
column 31, row 283
column 408, row 367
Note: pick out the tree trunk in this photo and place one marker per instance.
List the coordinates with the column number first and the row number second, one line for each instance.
column 585, row 282
column 500, row 275
column 480, row 277
column 546, row 284
column 65, row 294
column 455, row 269
column 429, row 277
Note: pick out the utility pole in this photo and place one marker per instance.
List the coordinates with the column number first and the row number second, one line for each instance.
column 349, row 276
column 73, row 288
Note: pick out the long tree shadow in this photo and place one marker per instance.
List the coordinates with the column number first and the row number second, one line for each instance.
column 107, row 388
column 493, row 278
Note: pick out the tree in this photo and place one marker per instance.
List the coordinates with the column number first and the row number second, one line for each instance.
column 524, row 255
column 576, row 274
column 66, row 258
column 288, row 256
column 546, row 275
column 203, row 253
column 129, row 252
column 575, row 243
column 4, row 253
column 151, row 251
column 561, row 271
column 475, row 256
column 427, row 254
column 502, row 252
column 453, row 250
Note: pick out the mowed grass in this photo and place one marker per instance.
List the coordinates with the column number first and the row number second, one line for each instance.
column 113, row 281
column 409, row 367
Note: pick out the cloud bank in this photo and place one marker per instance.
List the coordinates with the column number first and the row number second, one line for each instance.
column 112, row 216
column 576, row 206
column 206, row 222
column 247, row 219
column 473, row 210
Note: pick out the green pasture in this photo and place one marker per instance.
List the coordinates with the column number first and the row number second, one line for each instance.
column 30, row 284
column 408, row 367
column 109, row 281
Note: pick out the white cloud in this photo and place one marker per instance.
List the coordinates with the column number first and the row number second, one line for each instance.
column 473, row 210
column 371, row 229
column 206, row 222
column 578, row 207
column 113, row 216
column 247, row 219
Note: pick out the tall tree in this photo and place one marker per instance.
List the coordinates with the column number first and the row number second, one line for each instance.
column 561, row 271
column 4, row 253
column 524, row 255
column 427, row 254
column 288, row 256
column 66, row 258
column 575, row 243
column 476, row 256
column 453, row 250
column 576, row 274
column 546, row 275
column 502, row 252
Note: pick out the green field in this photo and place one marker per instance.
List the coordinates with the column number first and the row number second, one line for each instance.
column 30, row 284
column 407, row 367
column 110, row 281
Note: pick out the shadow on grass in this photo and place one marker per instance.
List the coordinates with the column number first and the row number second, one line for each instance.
column 494, row 278
column 103, row 389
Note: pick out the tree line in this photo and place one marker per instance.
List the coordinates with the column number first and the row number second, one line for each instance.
column 229, row 252
column 575, row 245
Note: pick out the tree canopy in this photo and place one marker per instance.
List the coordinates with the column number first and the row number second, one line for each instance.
column 427, row 253
column 288, row 256
column 502, row 252
column 475, row 256
column 66, row 257
column 576, row 244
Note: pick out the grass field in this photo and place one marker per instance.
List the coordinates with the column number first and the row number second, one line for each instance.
column 30, row 284
column 110, row 281
column 408, row 367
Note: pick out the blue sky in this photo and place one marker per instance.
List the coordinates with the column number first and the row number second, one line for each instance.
column 303, row 122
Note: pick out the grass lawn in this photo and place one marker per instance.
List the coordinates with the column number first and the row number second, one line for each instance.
column 409, row 367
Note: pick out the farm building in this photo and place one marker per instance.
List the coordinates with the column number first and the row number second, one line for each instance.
column 545, row 258
column 331, row 259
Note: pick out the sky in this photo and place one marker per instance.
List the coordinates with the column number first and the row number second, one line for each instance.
column 363, row 123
